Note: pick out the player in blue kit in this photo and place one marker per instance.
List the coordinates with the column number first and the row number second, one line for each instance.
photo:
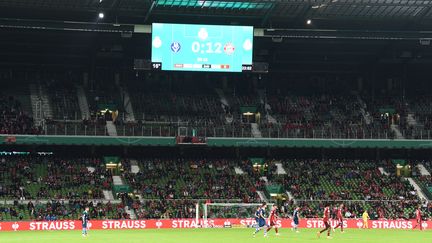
column 84, row 220
column 296, row 219
column 261, row 220
column 257, row 212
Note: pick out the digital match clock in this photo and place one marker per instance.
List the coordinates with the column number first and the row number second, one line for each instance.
column 215, row 48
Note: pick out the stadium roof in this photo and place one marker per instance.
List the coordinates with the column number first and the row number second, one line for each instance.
column 354, row 14
column 344, row 34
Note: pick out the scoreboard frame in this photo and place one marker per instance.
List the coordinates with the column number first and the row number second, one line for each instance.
column 201, row 67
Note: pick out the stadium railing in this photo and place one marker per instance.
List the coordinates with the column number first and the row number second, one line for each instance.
column 76, row 128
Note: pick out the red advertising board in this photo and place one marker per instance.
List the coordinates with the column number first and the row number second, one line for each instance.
column 192, row 223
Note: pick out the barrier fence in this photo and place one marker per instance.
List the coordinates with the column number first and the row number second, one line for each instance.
column 200, row 223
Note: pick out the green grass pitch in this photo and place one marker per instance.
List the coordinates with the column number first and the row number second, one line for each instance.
column 215, row 236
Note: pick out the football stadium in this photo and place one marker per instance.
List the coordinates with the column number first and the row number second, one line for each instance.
column 215, row 121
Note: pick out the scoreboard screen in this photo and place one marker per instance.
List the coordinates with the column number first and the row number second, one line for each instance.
column 212, row 48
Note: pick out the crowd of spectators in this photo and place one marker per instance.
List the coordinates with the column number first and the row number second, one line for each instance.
column 39, row 177
column 200, row 179
column 162, row 110
column 14, row 174
column 423, row 179
column 166, row 209
column 421, row 111
column 165, row 113
column 343, row 180
column 293, row 115
column 163, row 103
column 61, row 210
column 158, row 190
column 400, row 209
column 13, row 120
column 321, row 116
column 359, row 183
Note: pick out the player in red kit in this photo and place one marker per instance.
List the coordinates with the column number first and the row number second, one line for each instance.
column 418, row 218
column 326, row 220
column 339, row 218
column 273, row 217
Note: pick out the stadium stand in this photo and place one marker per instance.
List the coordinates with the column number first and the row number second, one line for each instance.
column 13, row 119
column 159, row 192
column 63, row 98
column 424, row 181
column 318, row 116
column 309, row 103
column 201, row 179
column 61, row 210
column 419, row 106
column 358, row 183
column 198, row 111
column 341, row 180
column 30, row 178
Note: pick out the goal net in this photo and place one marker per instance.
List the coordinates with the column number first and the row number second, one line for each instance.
column 230, row 210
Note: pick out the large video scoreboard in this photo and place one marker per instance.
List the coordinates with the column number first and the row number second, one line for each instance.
column 214, row 48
